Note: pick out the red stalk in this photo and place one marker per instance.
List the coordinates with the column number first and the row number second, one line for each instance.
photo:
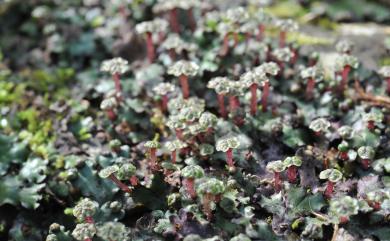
column 343, row 155
column 234, row 103
column 235, row 36
column 153, row 158
column 164, row 103
column 172, row 54
column 134, row 180
column 117, row 81
column 173, row 156
column 292, row 174
column 344, row 80
column 221, row 103
column 88, row 239
column 371, row 125
column 310, row 88
column 264, row 97
column 120, row 184
column 191, row 20
column 184, row 86
column 225, row 45
column 282, row 39
column 174, row 21
column 253, row 89
column 229, row 158
column 294, row 57
column 329, row 189
column 260, row 36
column 207, row 198
column 366, row 163
column 150, row 47
column 277, row 181
column 388, row 85
column 89, row 219
column 179, row 134
column 189, row 184
column 111, row 114
column 344, row 219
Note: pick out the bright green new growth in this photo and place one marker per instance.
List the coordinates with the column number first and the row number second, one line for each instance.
column 192, row 171
column 85, row 208
column 292, row 161
column 108, row 171
column 331, row 174
column 227, row 143
column 276, row 166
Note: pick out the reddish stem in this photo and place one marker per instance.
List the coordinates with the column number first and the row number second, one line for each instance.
column 189, row 184
column 282, row 39
column 164, row 103
column 229, row 158
column 153, row 158
column 184, row 86
column 120, row 184
column 221, row 103
column 225, row 45
column 253, row 89
column 329, row 189
column 172, row 54
column 388, row 85
column 207, row 198
column 260, row 35
column 343, row 155
column 371, row 125
column 264, row 97
column 89, row 219
column 294, row 58
column 312, row 62
column 366, row 163
column 134, row 180
column 235, row 37
column 88, row 239
column 234, row 103
column 344, row 80
column 191, row 20
column 277, row 181
column 117, row 81
column 111, row 114
column 292, row 174
column 173, row 156
column 150, row 47
column 344, row 220
column 310, row 88
column 174, row 21
column 179, row 134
